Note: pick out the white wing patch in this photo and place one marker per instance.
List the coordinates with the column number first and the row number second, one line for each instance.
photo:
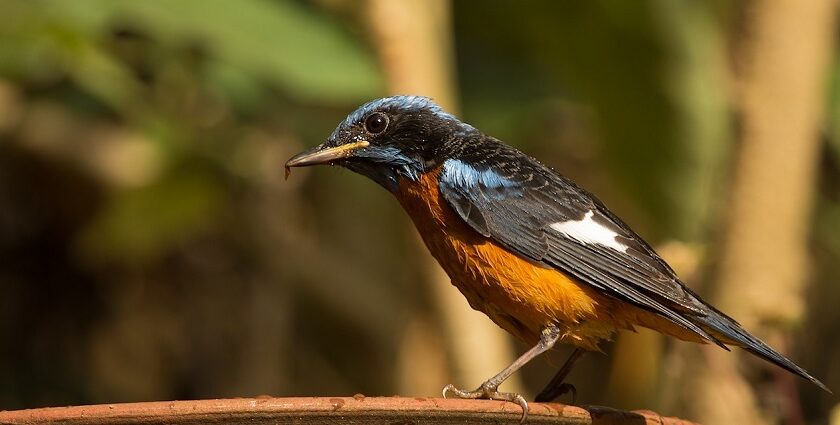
column 587, row 231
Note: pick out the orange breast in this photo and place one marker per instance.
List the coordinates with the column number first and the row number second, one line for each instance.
column 518, row 295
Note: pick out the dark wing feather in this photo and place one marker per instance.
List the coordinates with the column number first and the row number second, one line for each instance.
column 512, row 198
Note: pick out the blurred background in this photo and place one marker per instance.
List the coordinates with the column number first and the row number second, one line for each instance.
column 151, row 250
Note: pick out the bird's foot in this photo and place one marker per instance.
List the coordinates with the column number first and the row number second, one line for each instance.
column 489, row 392
column 552, row 393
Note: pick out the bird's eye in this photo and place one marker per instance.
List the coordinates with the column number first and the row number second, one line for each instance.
column 376, row 123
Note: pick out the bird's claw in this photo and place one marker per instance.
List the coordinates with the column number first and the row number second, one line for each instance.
column 490, row 393
column 569, row 388
column 554, row 393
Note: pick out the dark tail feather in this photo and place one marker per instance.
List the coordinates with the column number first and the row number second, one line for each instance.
column 721, row 324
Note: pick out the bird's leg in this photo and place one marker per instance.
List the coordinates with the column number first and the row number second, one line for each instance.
column 556, row 387
column 489, row 389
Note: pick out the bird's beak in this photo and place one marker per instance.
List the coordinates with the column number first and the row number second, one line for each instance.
column 324, row 155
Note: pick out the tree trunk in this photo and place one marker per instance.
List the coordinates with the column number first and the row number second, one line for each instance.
column 413, row 40
column 780, row 64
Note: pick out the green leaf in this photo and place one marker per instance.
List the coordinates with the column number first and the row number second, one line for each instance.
column 305, row 53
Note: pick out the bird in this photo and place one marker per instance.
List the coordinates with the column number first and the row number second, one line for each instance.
column 542, row 257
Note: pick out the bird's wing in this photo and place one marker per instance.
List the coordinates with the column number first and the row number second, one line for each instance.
column 544, row 217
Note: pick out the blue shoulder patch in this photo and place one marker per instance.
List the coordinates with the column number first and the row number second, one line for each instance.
column 461, row 185
column 457, row 173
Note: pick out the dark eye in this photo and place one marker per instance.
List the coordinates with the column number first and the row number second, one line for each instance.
column 376, row 123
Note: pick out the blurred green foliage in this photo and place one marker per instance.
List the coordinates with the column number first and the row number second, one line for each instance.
column 149, row 248
column 283, row 44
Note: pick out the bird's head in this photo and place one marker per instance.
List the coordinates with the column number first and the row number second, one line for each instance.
column 388, row 139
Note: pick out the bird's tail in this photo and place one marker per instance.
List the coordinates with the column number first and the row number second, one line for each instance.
column 721, row 324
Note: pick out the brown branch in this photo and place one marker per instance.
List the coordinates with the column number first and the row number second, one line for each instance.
column 328, row 410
